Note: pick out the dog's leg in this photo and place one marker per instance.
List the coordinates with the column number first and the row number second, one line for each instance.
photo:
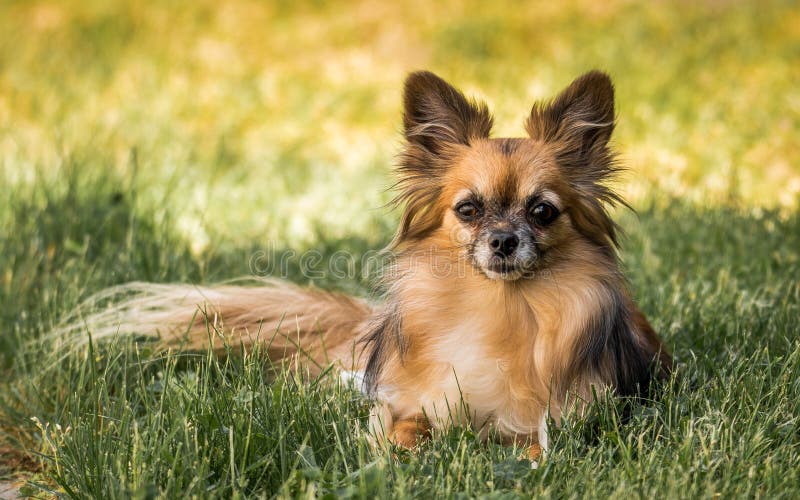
column 536, row 451
column 408, row 432
column 532, row 450
column 542, row 432
column 535, row 447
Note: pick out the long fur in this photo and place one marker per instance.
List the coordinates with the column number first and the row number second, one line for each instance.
column 311, row 327
column 450, row 343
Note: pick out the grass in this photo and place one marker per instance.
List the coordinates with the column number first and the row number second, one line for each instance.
column 137, row 147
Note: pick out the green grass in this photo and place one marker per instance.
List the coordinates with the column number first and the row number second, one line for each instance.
column 137, row 147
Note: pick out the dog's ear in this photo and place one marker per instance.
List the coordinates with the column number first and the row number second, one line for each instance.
column 436, row 117
column 577, row 125
column 579, row 122
column 437, row 114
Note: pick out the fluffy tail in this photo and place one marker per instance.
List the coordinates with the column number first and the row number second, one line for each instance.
column 310, row 327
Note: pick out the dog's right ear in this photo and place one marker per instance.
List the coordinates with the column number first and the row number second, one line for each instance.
column 436, row 117
column 437, row 114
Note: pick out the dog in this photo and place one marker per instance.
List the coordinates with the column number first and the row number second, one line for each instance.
column 505, row 306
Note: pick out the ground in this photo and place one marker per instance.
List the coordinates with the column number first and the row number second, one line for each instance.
column 198, row 142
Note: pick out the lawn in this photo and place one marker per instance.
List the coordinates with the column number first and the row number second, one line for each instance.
column 178, row 142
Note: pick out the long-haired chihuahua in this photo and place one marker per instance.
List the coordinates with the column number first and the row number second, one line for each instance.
column 505, row 306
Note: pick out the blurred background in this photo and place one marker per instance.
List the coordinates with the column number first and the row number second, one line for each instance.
column 247, row 121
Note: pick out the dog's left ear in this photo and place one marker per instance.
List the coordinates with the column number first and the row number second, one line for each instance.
column 579, row 122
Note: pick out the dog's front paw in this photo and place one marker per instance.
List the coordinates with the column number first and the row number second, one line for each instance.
column 534, row 453
column 409, row 432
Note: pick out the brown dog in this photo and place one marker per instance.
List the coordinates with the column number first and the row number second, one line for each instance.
column 506, row 298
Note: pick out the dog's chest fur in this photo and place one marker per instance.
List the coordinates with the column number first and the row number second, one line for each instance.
column 493, row 355
column 493, row 381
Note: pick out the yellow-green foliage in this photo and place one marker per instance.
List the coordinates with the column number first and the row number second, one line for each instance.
column 280, row 119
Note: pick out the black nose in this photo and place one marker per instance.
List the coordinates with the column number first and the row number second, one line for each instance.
column 503, row 243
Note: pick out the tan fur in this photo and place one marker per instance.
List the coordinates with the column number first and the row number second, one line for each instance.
column 309, row 328
column 498, row 348
column 409, row 431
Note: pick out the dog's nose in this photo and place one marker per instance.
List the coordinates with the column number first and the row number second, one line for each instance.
column 503, row 243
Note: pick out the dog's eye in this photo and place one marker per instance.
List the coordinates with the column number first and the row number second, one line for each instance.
column 543, row 214
column 468, row 210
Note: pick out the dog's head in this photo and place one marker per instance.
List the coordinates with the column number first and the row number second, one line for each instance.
column 510, row 205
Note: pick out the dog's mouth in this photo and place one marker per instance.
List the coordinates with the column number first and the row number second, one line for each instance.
column 501, row 269
column 521, row 264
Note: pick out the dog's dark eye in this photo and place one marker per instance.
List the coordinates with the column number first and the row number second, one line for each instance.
column 543, row 214
column 468, row 210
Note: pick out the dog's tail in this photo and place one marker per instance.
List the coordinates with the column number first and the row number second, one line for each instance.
column 312, row 328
